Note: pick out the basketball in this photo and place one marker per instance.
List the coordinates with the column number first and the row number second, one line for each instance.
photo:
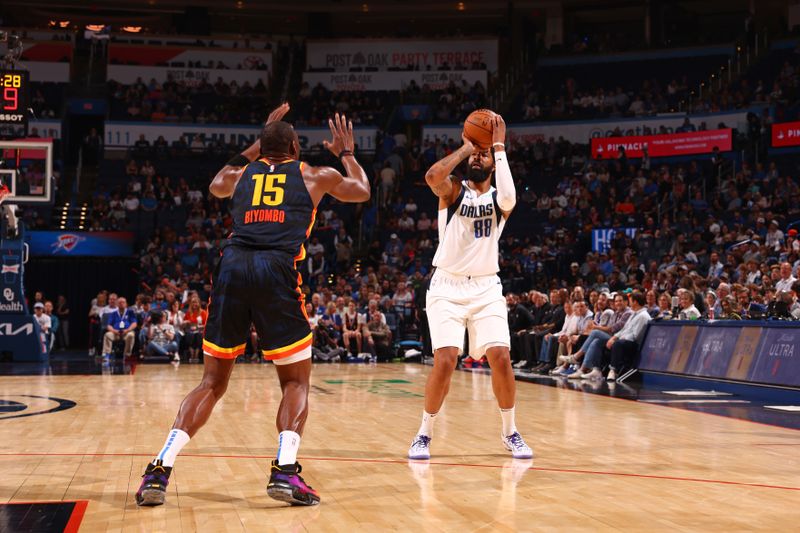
column 478, row 127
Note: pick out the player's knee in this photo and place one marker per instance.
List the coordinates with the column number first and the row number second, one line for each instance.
column 446, row 357
column 216, row 384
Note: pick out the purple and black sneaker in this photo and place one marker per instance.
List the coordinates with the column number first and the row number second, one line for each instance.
column 286, row 485
column 153, row 490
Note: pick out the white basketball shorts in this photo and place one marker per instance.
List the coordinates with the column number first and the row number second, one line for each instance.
column 472, row 303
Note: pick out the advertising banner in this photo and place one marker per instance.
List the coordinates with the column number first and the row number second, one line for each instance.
column 385, row 54
column 154, row 56
column 786, row 134
column 778, row 359
column 42, row 130
column 122, row 135
column 581, row 132
column 757, row 352
column 712, row 353
column 675, row 144
column 602, row 237
column 127, row 74
column 657, row 348
column 80, row 243
column 393, row 81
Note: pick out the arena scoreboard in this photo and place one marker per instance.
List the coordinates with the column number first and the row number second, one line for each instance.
column 14, row 97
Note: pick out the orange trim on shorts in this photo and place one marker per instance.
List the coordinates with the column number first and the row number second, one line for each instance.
column 286, row 351
column 222, row 353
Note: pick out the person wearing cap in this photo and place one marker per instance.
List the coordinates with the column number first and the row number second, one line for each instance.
column 121, row 327
column 774, row 239
column 43, row 320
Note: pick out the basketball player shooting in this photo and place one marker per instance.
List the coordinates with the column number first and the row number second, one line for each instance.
column 274, row 198
column 465, row 291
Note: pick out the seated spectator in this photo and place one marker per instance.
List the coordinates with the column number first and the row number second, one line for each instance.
column 380, row 336
column 729, row 309
column 625, row 344
column 194, row 322
column 351, row 329
column 161, row 338
column 591, row 353
column 121, row 327
column 688, row 311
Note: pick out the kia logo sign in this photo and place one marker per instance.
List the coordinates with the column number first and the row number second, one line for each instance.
column 8, row 330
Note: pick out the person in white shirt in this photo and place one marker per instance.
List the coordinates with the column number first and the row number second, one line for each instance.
column 787, row 280
column 43, row 320
column 686, row 301
column 625, row 343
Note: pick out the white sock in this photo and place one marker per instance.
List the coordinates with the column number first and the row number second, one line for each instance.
column 175, row 442
column 509, row 426
column 288, row 444
column 426, row 428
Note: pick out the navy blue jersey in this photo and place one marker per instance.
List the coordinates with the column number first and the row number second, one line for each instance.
column 271, row 208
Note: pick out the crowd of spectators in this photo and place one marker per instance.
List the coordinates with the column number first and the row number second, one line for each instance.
column 198, row 101
column 635, row 96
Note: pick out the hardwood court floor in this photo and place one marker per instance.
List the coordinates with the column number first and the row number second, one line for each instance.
column 601, row 463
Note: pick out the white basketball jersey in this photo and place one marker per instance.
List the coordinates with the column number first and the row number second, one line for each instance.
column 469, row 234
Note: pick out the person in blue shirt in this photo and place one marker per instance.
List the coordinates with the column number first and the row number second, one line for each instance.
column 121, row 327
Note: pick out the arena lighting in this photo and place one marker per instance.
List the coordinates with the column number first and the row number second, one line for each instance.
column 460, row 6
column 365, row 8
column 95, row 27
column 239, row 4
column 132, row 29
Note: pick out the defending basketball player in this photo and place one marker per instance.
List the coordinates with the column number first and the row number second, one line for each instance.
column 465, row 291
column 273, row 204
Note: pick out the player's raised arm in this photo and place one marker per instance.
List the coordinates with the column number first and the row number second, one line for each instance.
column 438, row 176
column 506, row 192
column 354, row 186
column 224, row 182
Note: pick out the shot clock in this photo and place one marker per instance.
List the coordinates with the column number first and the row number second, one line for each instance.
column 14, row 97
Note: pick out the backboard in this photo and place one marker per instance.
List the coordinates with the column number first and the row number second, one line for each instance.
column 26, row 168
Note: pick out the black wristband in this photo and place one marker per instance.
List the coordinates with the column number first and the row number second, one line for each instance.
column 345, row 152
column 238, row 161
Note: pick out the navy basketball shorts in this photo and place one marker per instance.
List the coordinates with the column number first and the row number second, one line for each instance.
column 261, row 287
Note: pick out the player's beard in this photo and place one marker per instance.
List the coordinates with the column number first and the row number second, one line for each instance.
column 478, row 175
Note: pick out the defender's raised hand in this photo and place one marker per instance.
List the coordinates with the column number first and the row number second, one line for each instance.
column 341, row 135
column 278, row 113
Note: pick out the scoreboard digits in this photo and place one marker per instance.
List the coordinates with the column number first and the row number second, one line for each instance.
column 14, row 97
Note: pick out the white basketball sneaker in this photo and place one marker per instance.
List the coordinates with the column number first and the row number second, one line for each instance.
column 516, row 445
column 420, row 448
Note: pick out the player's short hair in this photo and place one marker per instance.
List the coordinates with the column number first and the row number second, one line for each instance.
column 277, row 138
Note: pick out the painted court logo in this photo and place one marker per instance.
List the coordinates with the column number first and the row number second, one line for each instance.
column 23, row 405
column 67, row 242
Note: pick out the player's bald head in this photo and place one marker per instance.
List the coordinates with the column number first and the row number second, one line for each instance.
column 279, row 138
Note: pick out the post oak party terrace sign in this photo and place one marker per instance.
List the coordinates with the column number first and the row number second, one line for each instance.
column 384, row 54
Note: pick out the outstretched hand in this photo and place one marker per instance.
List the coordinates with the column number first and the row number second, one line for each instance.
column 278, row 113
column 341, row 135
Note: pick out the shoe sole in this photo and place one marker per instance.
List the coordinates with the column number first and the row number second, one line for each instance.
column 419, row 457
column 284, row 492
column 151, row 498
